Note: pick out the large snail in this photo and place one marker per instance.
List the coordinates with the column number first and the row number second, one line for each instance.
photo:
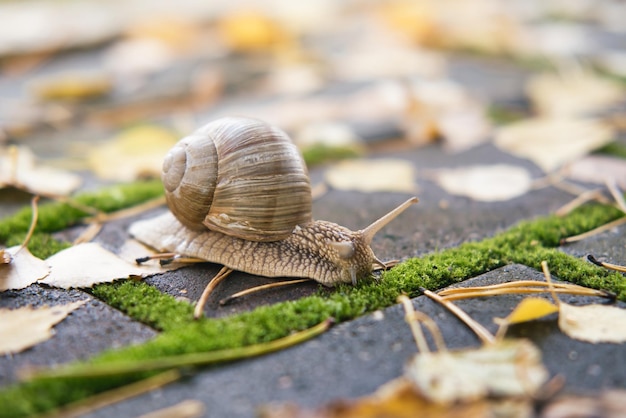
column 239, row 195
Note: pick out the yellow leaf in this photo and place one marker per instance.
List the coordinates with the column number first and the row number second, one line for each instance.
column 134, row 153
column 373, row 175
column 73, row 86
column 25, row 327
column 530, row 309
column 250, row 31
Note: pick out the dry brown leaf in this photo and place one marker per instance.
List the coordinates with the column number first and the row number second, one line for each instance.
column 85, row 265
column 488, row 183
column 25, row 327
column 551, row 142
column 598, row 169
column 373, row 175
column 23, row 270
column 507, row 368
column 573, row 92
column 18, row 169
column 593, row 323
column 135, row 153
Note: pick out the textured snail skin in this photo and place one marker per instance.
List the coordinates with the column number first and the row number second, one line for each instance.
column 305, row 253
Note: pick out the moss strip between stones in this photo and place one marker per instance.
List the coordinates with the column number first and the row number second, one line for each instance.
column 527, row 243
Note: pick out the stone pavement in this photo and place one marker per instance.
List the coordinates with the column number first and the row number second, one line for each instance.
column 354, row 357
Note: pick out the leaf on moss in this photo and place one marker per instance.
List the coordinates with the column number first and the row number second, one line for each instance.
column 488, row 183
column 552, row 142
column 85, row 265
column 23, row 270
column 373, row 176
column 18, row 169
column 25, row 327
column 507, row 368
column 135, row 153
column 593, row 323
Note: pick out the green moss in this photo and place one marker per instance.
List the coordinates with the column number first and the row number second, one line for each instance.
column 614, row 149
column 527, row 243
column 500, row 115
column 320, row 153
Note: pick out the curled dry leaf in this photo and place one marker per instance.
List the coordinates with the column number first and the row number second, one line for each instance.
column 25, row 327
column 553, row 142
column 486, row 183
column 18, row 169
column 593, row 323
column 85, row 265
column 507, row 368
column 387, row 175
column 23, row 270
column 136, row 152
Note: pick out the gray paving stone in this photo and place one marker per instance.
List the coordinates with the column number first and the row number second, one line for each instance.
column 356, row 357
column 87, row 331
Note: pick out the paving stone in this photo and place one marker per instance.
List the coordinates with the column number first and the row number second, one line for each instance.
column 88, row 330
column 609, row 246
column 354, row 358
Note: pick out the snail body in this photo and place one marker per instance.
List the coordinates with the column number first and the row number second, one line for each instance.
column 258, row 217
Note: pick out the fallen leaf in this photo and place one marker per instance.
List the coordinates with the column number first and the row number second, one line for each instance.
column 87, row 264
column 606, row 404
column 395, row 399
column 573, row 92
column 373, row 175
column 72, row 86
column 189, row 408
column 25, row 327
column 593, row 323
column 135, row 153
column 252, row 31
column 598, row 169
column 18, row 169
column 507, row 368
column 23, row 270
column 551, row 142
column 529, row 309
column 488, row 183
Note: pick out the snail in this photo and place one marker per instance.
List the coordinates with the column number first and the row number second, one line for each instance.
column 239, row 195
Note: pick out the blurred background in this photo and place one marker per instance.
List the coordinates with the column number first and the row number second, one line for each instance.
column 103, row 88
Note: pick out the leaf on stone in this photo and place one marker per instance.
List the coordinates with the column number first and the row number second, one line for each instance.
column 384, row 175
column 395, row 399
column 19, row 169
column 598, row 169
column 609, row 403
column 135, row 153
column 25, row 327
column 23, row 270
column 593, row 323
column 573, row 92
column 488, row 183
column 552, row 142
column 529, row 309
column 87, row 264
column 507, row 368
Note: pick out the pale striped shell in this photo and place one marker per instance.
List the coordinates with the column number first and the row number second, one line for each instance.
column 238, row 176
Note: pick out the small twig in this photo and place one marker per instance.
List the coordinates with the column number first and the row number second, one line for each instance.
column 413, row 318
column 261, row 288
column 595, row 231
column 579, row 201
column 102, row 217
column 520, row 287
column 610, row 266
column 546, row 274
column 33, row 223
column 617, row 195
column 169, row 258
column 480, row 331
column 189, row 408
column 183, row 360
column 221, row 275
column 85, row 406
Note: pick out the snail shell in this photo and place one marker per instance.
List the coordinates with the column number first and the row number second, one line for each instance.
column 238, row 176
